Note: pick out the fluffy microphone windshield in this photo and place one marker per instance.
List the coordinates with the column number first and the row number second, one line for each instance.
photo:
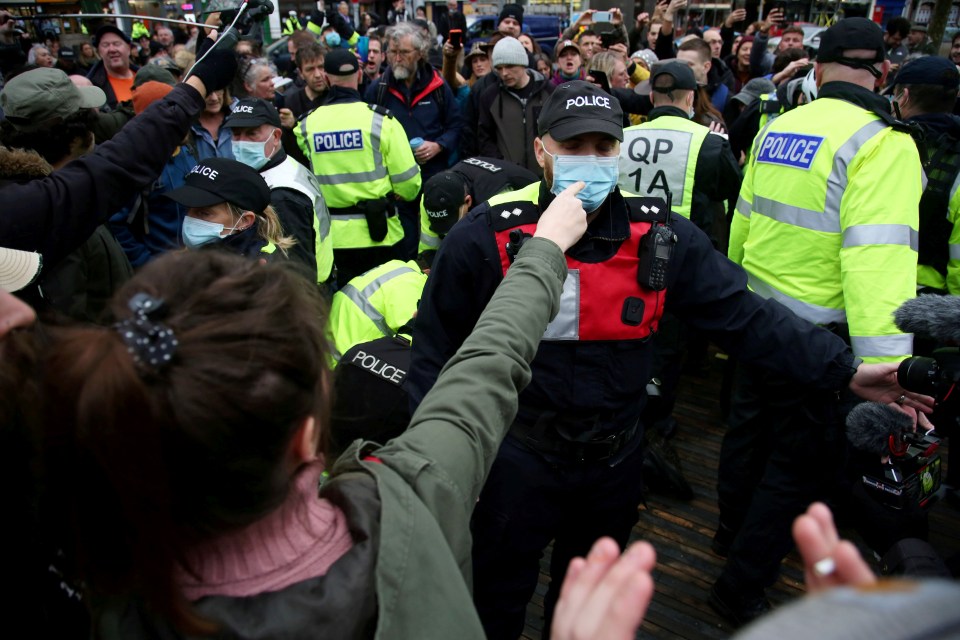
column 870, row 425
column 931, row 315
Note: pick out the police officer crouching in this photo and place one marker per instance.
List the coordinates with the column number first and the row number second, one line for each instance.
column 294, row 192
column 361, row 157
column 450, row 194
column 370, row 328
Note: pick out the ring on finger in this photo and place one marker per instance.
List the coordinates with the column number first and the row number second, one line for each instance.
column 901, row 399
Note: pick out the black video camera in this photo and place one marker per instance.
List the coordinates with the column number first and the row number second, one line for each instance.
column 935, row 376
column 910, row 472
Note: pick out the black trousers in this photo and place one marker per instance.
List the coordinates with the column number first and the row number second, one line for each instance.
column 528, row 501
column 785, row 447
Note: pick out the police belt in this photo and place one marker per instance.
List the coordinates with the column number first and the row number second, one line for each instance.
column 375, row 212
column 545, row 434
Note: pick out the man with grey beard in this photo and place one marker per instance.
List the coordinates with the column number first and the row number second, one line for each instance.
column 418, row 97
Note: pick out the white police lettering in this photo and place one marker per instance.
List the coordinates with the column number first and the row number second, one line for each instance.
column 378, row 367
column 337, row 141
column 589, row 101
column 789, row 149
column 205, row 171
column 436, row 214
column 492, row 168
column 243, row 108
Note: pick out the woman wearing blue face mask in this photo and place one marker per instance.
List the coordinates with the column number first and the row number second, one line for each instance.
column 228, row 207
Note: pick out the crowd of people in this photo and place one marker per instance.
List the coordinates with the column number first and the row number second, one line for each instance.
column 341, row 344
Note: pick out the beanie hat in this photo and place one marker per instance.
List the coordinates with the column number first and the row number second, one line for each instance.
column 514, row 11
column 148, row 93
column 509, row 51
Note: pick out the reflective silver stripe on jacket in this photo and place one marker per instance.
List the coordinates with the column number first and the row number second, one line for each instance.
column 378, row 172
column 429, row 241
column 806, row 310
column 566, row 326
column 797, row 216
column 406, row 175
column 955, row 251
column 881, row 346
column 837, row 180
column 743, row 207
column 362, row 298
column 867, row 234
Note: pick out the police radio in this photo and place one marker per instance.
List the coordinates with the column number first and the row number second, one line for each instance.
column 656, row 248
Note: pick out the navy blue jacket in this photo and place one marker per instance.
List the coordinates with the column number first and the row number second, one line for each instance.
column 418, row 111
column 608, row 379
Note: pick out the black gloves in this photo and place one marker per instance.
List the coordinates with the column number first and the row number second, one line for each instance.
column 340, row 25
column 218, row 69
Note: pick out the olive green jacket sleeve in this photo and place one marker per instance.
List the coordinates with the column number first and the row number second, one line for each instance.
column 429, row 478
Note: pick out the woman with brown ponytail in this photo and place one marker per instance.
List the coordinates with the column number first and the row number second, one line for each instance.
column 187, row 444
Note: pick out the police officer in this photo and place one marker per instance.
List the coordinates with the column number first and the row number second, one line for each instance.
column 363, row 162
column 294, row 192
column 670, row 153
column 374, row 304
column 926, row 91
column 450, row 194
column 570, row 469
column 825, row 225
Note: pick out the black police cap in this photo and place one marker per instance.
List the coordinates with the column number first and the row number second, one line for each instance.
column 681, row 73
column 341, row 62
column 931, row 70
column 849, row 34
column 218, row 180
column 578, row 107
column 252, row 112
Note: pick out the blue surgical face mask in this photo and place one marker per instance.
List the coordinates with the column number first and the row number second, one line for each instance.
column 333, row 39
column 196, row 232
column 599, row 173
column 252, row 154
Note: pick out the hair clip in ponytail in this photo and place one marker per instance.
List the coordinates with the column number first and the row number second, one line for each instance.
column 150, row 343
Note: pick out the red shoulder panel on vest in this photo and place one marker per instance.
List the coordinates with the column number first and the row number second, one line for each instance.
column 513, row 214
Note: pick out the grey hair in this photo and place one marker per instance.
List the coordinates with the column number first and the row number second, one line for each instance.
column 32, row 55
column 250, row 73
column 420, row 41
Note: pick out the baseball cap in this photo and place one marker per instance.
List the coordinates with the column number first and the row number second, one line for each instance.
column 34, row 99
column 217, row 180
column 852, row 33
column 478, row 49
column 443, row 195
column 681, row 73
column 341, row 62
column 153, row 73
column 754, row 89
column 18, row 268
column 932, row 70
column 109, row 28
column 577, row 107
column 567, row 44
column 918, row 26
column 252, row 112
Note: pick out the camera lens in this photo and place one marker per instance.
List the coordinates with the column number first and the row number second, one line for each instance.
column 918, row 374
